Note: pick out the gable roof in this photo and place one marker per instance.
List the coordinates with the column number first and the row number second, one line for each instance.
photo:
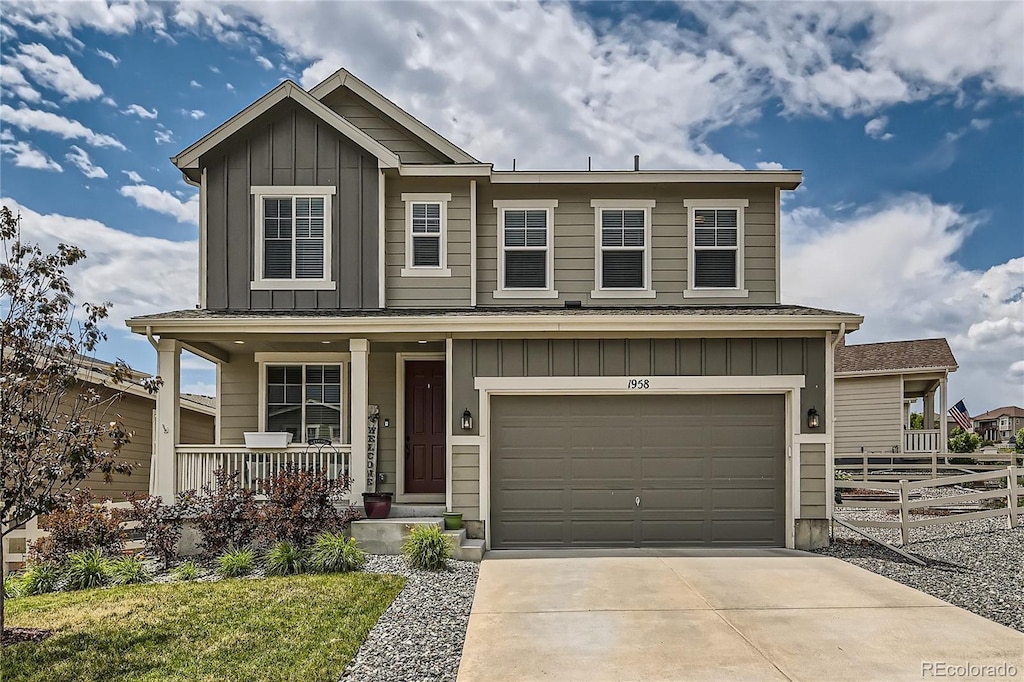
column 895, row 356
column 1009, row 411
column 342, row 78
column 189, row 158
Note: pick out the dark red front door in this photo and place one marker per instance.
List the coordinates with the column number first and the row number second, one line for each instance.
column 424, row 426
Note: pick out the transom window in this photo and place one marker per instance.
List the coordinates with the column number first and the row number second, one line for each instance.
column 426, row 239
column 623, row 248
column 293, row 237
column 715, row 242
column 526, row 266
column 305, row 401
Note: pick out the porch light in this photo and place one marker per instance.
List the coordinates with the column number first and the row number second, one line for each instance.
column 467, row 420
column 812, row 419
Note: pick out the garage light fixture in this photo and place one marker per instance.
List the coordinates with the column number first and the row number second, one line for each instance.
column 467, row 420
column 812, row 419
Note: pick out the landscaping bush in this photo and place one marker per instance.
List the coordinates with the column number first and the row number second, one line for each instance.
column 427, row 547
column 129, row 570
column 1018, row 443
column 962, row 441
column 284, row 558
column 334, row 553
column 300, row 504
column 12, row 586
column 187, row 572
column 85, row 569
column 79, row 526
column 160, row 523
column 234, row 563
column 841, row 475
column 40, row 577
column 225, row 513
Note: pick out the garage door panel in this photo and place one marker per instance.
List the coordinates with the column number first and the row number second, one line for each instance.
column 533, row 468
column 600, row 436
column 608, row 467
column 742, row 467
column 680, row 434
column 688, row 465
column 727, row 499
column 613, row 533
column 675, row 499
column 589, row 500
column 537, row 501
column 741, row 435
column 534, row 532
column 528, row 434
column 752, row 531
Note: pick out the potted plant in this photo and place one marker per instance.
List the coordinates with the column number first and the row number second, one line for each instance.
column 452, row 520
column 377, row 505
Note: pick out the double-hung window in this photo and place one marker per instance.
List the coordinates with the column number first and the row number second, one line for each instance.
column 715, row 248
column 526, row 256
column 292, row 238
column 426, row 235
column 623, row 248
column 304, row 400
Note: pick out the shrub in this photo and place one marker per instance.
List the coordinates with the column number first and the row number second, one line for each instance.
column 1019, row 440
column 129, row 570
column 40, row 577
column 12, row 586
column 963, row 441
column 187, row 571
column 79, row 526
column 161, row 525
column 841, row 475
column 284, row 558
column 234, row 563
column 427, row 547
column 85, row 569
column 225, row 513
column 334, row 553
column 300, row 504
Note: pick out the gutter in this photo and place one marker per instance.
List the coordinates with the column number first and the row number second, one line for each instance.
column 149, row 336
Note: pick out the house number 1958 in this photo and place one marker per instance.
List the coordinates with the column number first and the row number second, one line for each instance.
column 639, row 384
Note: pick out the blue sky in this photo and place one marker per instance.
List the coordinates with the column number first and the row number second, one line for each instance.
column 907, row 120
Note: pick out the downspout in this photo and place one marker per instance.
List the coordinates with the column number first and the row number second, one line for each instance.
column 840, row 336
column 152, row 340
column 830, row 447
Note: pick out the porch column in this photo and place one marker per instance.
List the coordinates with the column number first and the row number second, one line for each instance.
column 943, row 412
column 929, row 410
column 360, row 394
column 168, row 401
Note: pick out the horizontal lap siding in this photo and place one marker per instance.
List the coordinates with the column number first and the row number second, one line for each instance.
column 381, row 388
column 374, row 123
column 466, row 481
column 869, row 414
column 196, row 428
column 136, row 416
column 574, row 240
column 812, row 480
column 239, row 400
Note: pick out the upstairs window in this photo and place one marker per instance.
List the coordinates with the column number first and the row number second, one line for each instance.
column 623, row 250
column 526, row 261
column 426, row 240
column 292, row 237
column 715, row 254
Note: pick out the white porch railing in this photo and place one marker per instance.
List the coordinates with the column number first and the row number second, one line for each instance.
column 197, row 463
column 922, row 440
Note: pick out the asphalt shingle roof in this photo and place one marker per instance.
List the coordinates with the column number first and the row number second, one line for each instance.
column 1009, row 411
column 895, row 355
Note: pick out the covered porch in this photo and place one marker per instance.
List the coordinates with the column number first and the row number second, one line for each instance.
column 927, row 395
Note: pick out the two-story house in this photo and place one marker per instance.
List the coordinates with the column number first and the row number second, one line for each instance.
column 569, row 358
column 999, row 425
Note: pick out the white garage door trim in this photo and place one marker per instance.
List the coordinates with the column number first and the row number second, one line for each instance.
column 788, row 385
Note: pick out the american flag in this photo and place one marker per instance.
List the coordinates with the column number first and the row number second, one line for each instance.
column 959, row 413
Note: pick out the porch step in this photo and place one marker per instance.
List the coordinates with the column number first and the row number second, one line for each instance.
column 385, row 536
column 463, row 547
column 416, row 510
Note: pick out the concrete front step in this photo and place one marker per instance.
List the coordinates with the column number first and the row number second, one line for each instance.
column 385, row 536
column 423, row 510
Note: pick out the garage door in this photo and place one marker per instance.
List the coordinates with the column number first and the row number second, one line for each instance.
column 637, row 471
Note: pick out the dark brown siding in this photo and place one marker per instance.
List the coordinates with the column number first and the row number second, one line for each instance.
column 289, row 146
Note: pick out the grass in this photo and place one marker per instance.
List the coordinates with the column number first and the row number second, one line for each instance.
column 294, row 628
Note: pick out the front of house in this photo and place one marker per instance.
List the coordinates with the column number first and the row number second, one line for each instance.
column 570, row 359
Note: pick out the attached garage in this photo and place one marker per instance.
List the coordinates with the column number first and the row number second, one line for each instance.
column 637, row 470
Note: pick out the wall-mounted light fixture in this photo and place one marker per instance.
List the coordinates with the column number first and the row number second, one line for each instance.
column 812, row 419
column 467, row 420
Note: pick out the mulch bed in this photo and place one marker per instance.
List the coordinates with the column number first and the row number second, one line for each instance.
column 19, row 635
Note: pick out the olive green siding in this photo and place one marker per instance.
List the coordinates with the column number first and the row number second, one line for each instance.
column 466, row 481
column 575, row 230
column 288, row 146
column 869, row 414
column 382, row 128
column 812, row 481
column 428, row 292
column 239, row 398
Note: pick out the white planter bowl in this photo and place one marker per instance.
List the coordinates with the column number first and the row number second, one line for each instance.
column 267, row 439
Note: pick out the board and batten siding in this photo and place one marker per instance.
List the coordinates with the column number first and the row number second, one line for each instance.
column 812, row 481
column 575, row 231
column 382, row 128
column 288, row 146
column 428, row 292
column 869, row 414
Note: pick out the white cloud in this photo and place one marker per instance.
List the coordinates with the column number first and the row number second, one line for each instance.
column 162, row 135
column 981, row 123
column 194, row 114
column 79, row 158
column 140, row 111
column 894, row 263
column 161, row 201
column 876, row 128
column 55, row 72
column 28, row 120
column 27, row 156
column 769, row 165
column 137, row 274
column 109, row 57
column 264, row 62
column 230, row 87
column 133, row 176
column 12, row 80
column 1017, row 371
column 194, row 84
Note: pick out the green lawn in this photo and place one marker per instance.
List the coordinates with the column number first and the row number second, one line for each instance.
column 295, row 628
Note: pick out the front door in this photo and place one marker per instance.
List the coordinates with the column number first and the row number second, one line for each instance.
column 424, row 426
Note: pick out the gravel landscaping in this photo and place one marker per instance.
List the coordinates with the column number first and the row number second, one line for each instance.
column 420, row 636
column 975, row 565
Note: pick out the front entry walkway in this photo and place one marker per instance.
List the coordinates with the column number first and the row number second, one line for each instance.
column 739, row 615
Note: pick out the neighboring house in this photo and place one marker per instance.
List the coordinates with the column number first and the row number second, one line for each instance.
column 136, row 410
column 1000, row 424
column 568, row 358
column 876, row 385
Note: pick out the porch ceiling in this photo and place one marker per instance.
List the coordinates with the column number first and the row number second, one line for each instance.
column 225, row 345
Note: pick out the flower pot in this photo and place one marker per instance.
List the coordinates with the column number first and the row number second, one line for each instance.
column 267, row 439
column 452, row 520
column 377, row 505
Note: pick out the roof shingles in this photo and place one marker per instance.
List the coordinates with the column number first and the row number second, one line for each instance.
column 895, row 355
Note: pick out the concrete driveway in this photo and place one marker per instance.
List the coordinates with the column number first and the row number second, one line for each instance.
column 757, row 615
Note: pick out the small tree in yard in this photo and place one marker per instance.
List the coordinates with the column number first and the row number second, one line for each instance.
column 963, row 441
column 1018, row 443
column 55, row 430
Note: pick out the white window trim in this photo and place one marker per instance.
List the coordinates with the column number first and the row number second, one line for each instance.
column 298, row 359
column 693, row 291
column 441, row 270
column 261, row 192
column 646, row 205
column 547, row 205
